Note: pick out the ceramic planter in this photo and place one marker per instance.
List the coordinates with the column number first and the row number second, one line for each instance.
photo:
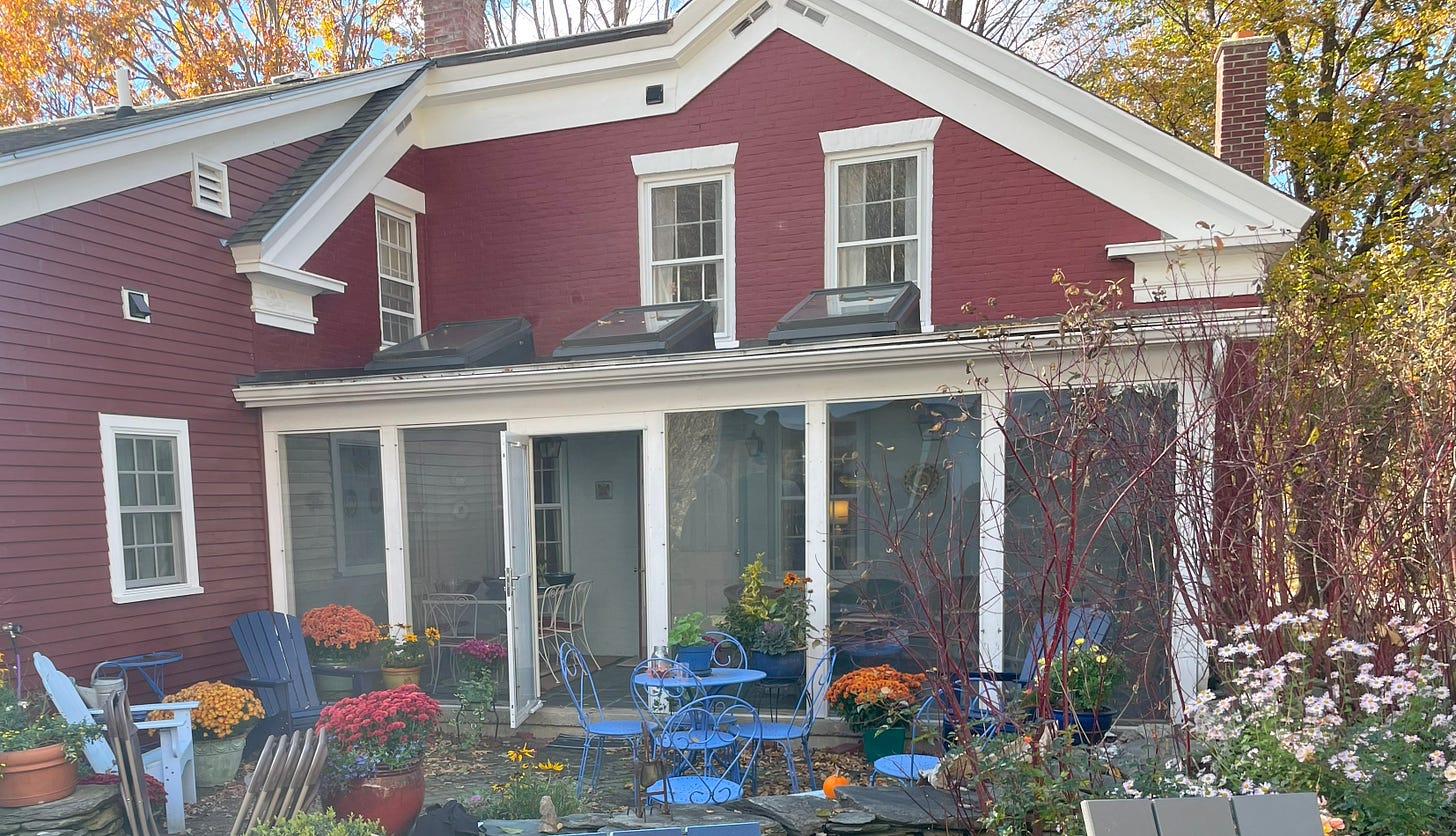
column 215, row 762
column 34, row 776
column 395, row 677
column 879, row 742
column 1087, row 727
column 698, row 658
column 778, row 665
column 393, row 798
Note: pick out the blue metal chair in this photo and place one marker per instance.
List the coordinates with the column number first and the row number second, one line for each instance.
column 661, row 686
column 907, row 768
column 598, row 730
column 800, row 724
column 727, row 653
column 708, row 761
column 1082, row 623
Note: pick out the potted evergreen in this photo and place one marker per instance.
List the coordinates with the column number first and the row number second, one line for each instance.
column 772, row 626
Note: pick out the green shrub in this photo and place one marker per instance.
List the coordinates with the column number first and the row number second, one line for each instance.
column 317, row 824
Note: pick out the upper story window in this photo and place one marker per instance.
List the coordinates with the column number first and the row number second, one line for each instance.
column 877, row 196
column 151, row 533
column 686, row 223
column 399, row 289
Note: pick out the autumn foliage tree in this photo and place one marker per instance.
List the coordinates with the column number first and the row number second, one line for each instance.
column 60, row 55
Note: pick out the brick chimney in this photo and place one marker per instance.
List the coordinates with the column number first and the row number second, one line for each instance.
column 453, row 26
column 1239, row 104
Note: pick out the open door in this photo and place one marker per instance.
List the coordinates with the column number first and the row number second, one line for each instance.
column 521, row 618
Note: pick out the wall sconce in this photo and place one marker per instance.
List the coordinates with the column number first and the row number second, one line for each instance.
column 839, row 511
column 753, row 445
column 548, row 447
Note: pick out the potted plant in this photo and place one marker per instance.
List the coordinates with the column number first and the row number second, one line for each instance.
column 404, row 653
column 38, row 750
column 338, row 635
column 773, row 628
column 878, row 703
column 476, row 661
column 377, row 744
column 1082, row 678
column 689, row 645
column 220, row 725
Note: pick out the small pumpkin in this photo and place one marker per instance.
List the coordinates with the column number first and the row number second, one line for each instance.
column 832, row 783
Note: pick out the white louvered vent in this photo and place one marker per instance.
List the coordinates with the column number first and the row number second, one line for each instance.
column 807, row 11
column 210, row 187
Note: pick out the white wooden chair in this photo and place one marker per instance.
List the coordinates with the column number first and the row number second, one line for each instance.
column 170, row 763
column 1276, row 814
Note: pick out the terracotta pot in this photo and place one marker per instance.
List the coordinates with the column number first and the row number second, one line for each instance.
column 395, row 677
column 34, row 776
column 216, row 762
column 392, row 798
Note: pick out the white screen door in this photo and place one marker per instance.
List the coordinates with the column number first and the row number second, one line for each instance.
column 520, row 577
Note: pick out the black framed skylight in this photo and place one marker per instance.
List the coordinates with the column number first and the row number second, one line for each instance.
column 457, row 345
column 650, row 329
column 864, row 311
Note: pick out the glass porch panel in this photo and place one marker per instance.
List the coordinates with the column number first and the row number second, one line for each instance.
column 334, row 501
column 452, row 487
column 904, row 532
column 1087, row 499
column 735, row 490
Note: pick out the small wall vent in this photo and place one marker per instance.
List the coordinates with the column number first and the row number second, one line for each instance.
column 807, row 11
column 135, row 305
column 210, row 187
column 654, row 94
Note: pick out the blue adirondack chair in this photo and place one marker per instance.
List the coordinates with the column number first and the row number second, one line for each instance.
column 272, row 647
column 1082, row 623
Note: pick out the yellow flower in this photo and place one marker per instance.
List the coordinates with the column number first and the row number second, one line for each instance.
column 551, row 766
column 1080, row 642
column 1101, row 660
column 527, row 752
column 410, row 638
column 513, row 755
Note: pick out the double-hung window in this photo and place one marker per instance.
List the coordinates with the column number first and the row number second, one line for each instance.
column 878, row 205
column 399, row 288
column 686, row 222
column 151, row 531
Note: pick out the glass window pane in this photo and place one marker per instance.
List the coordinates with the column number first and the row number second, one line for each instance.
column 129, row 564
column 689, row 204
column 128, row 484
column 877, row 220
column 165, row 566
column 128, row 535
column 145, row 457
column 689, row 241
column 164, row 447
column 166, row 490
column 147, row 490
column 125, row 453
column 851, row 184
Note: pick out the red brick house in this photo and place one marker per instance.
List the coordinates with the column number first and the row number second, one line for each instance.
column 193, row 427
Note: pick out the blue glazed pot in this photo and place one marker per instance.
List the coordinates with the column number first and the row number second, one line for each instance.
column 698, row 658
column 778, row 665
column 1086, row 726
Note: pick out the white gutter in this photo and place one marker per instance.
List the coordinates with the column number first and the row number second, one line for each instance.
column 729, row 364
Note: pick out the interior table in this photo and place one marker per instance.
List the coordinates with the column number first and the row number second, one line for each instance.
column 149, row 665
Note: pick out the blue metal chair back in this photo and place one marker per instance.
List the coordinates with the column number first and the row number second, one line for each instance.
column 815, row 686
column 679, row 686
column 708, row 762
column 576, row 676
column 1082, row 623
column 727, row 652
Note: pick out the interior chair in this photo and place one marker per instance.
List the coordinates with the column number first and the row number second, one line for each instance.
column 708, row 760
column 598, row 729
column 457, row 616
column 551, row 629
column 170, row 763
column 1272, row 814
column 661, row 686
column 799, row 725
column 574, row 606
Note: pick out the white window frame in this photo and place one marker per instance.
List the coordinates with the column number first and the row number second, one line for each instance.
column 408, row 217
column 684, row 167
column 124, row 425
column 874, row 143
column 559, row 506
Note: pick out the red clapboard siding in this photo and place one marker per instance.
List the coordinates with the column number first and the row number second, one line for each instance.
column 545, row 225
column 66, row 354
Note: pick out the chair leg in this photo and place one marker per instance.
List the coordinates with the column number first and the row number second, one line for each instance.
column 597, row 764
column 579, row 639
column 789, row 764
column 809, row 764
column 581, row 770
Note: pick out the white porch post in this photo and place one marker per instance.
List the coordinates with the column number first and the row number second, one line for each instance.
column 396, row 558
column 1194, row 492
column 655, row 575
column 816, row 530
column 993, row 528
column 275, row 490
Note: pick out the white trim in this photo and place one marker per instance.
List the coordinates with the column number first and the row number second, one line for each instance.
column 397, row 193
column 655, row 572
column 110, row 427
column 282, row 296
column 279, row 571
column 727, row 336
column 407, row 217
column 396, row 555
column 924, row 154
column 883, row 135
column 39, row 180
column 685, row 159
column 1212, row 266
column 992, row 616
column 203, row 168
